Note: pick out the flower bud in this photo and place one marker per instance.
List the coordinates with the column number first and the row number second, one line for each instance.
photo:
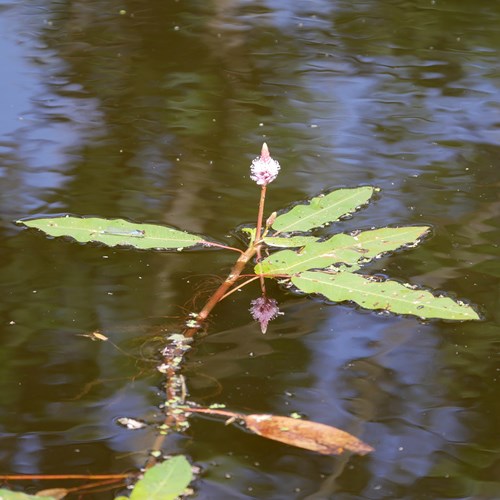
column 270, row 220
column 264, row 169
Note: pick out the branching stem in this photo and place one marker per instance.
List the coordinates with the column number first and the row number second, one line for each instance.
column 173, row 396
column 218, row 245
column 241, row 285
column 174, row 399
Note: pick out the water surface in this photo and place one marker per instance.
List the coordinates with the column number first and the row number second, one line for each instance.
column 153, row 111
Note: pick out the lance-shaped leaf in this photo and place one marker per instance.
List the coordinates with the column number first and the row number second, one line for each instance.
column 351, row 250
column 322, row 209
column 386, row 295
column 114, row 232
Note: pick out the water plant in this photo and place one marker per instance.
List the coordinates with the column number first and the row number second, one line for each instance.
column 288, row 247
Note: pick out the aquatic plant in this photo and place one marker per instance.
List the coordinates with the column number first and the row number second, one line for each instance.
column 301, row 260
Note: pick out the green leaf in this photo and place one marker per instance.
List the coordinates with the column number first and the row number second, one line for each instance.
column 290, row 242
column 114, row 232
column 165, row 481
column 322, row 209
column 250, row 233
column 386, row 295
column 16, row 495
column 351, row 250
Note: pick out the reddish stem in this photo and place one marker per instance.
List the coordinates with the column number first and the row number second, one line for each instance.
column 38, row 477
column 218, row 245
column 241, row 285
column 211, row 411
column 172, row 418
column 223, row 288
column 258, row 233
column 260, row 215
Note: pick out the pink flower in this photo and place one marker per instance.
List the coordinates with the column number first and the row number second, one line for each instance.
column 264, row 169
column 264, row 310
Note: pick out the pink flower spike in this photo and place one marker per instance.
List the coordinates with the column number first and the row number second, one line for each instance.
column 264, row 152
column 264, row 169
column 264, row 310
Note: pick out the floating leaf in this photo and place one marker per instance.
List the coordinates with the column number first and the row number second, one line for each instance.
column 16, row 495
column 305, row 434
column 56, row 493
column 94, row 336
column 165, row 481
column 301, row 433
column 386, row 295
column 131, row 423
column 290, row 242
column 289, row 262
column 322, row 209
column 341, row 248
column 114, row 232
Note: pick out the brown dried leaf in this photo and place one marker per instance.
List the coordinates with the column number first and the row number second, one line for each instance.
column 57, row 493
column 94, row 335
column 305, row 434
column 98, row 336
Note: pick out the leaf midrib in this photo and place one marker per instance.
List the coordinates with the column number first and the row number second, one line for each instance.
column 405, row 301
column 146, row 237
column 336, row 249
column 316, row 213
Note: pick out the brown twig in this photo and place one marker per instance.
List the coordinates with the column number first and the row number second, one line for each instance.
column 241, row 285
column 214, row 411
column 218, row 245
column 38, row 477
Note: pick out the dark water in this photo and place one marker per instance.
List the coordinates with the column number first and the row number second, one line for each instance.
column 154, row 113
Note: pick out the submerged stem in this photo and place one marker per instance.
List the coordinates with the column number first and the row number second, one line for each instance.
column 241, row 285
column 223, row 288
column 222, row 291
column 173, row 397
column 172, row 392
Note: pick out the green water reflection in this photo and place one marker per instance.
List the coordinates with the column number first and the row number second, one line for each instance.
column 154, row 114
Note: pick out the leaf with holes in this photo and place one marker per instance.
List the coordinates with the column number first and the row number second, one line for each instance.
column 322, row 210
column 115, row 232
column 351, row 250
column 386, row 295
